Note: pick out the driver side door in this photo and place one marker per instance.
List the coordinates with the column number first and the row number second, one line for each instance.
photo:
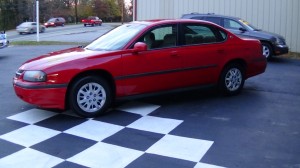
column 157, row 68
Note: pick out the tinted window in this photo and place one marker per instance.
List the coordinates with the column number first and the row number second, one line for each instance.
column 198, row 17
column 215, row 20
column 202, row 34
column 232, row 24
column 160, row 37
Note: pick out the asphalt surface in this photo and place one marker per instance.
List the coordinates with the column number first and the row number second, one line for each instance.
column 258, row 128
column 69, row 33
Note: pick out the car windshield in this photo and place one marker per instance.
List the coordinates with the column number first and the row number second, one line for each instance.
column 2, row 36
column 51, row 20
column 248, row 25
column 117, row 38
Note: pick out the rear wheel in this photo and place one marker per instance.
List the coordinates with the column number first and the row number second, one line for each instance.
column 232, row 79
column 90, row 96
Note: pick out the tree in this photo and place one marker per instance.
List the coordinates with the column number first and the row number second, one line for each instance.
column 14, row 12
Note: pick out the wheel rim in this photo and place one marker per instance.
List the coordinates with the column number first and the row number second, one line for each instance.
column 266, row 51
column 91, row 97
column 233, row 79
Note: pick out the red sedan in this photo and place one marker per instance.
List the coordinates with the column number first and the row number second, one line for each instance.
column 139, row 58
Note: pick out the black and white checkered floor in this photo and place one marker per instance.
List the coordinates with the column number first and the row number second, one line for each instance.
column 127, row 137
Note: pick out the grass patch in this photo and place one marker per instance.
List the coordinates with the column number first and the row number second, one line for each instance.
column 292, row 55
column 45, row 43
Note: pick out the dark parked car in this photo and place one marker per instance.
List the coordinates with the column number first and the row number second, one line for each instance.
column 151, row 57
column 273, row 44
column 53, row 22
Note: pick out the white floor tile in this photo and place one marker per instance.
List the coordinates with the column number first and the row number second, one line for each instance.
column 29, row 135
column 138, row 108
column 32, row 116
column 106, row 155
column 155, row 124
column 204, row 165
column 29, row 158
column 94, row 130
column 181, row 148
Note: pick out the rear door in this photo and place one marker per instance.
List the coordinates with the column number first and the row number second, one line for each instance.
column 202, row 49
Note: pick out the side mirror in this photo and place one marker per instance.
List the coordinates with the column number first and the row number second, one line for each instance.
column 242, row 29
column 139, row 46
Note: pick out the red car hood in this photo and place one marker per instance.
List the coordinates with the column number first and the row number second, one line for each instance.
column 60, row 57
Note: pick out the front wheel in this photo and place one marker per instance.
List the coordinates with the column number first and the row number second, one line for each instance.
column 232, row 79
column 267, row 50
column 90, row 96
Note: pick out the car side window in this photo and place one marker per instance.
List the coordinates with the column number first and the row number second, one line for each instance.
column 202, row 34
column 231, row 24
column 160, row 37
column 198, row 18
column 215, row 20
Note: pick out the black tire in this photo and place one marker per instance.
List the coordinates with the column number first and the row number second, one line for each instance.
column 84, row 25
column 267, row 50
column 232, row 79
column 97, row 99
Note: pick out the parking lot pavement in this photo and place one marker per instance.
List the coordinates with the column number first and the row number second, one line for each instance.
column 128, row 136
column 257, row 128
column 70, row 33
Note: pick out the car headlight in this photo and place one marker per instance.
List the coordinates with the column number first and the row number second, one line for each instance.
column 35, row 76
column 279, row 41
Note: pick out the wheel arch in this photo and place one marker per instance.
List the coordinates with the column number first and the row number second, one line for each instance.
column 270, row 44
column 235, row 61
column 98, row 73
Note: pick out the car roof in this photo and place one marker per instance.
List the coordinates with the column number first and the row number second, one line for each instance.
column 208, row 14
column 163, row 21
column 28, row 22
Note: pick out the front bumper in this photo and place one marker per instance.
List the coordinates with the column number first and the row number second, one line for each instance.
column 281, row 49
column 4, row 44
column 45, row 97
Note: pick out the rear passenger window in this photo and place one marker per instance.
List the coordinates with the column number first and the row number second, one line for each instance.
column 202, row 34
column 215, row 20
column 198, row 18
